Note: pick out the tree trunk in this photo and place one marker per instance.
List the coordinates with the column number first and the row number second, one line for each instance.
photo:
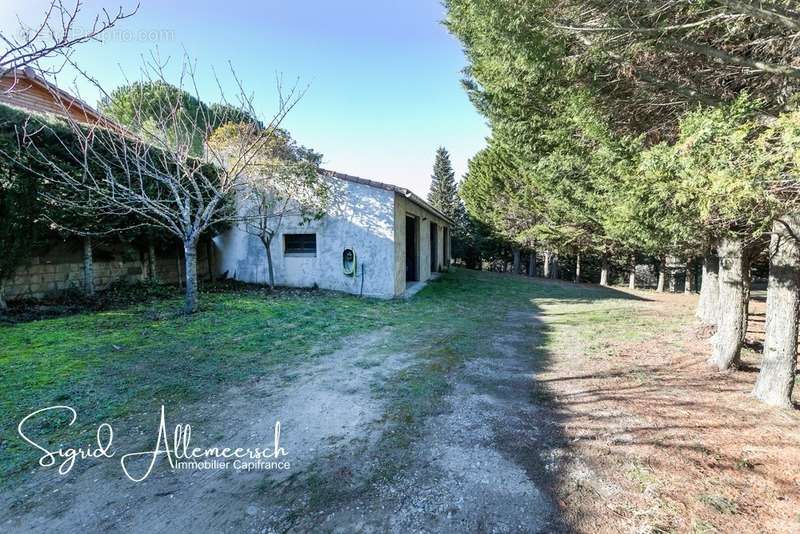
column 532, row 264
column 604, row 270
column 632, row 274
column 180, row 270
column 746, row 283
column 270, row 268
column 776, row 378
column 190, row 259
column 687, row 281
column 662, row 275
column 516, row 265
column 578, row 269
column 151, row 260
column 708, row 306
column 88, row 267
column 3, row 303
column 210, row 259
column 728, row 344
column 546, row 266
column 555, row 271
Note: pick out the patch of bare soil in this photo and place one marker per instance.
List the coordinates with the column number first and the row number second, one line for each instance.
column 480, row 465
column 658, row 442
column 323, row 406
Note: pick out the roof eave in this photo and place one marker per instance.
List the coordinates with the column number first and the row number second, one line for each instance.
column 64, row 98
column 393, row 188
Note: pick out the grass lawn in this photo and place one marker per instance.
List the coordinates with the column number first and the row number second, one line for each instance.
column 109, row 365
column 642, row 436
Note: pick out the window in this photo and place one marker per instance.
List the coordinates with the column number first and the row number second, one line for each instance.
column 300, row 243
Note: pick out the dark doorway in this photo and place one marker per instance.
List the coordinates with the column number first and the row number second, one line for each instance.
column 445, row 247
column 412, row 238
column 434, row 248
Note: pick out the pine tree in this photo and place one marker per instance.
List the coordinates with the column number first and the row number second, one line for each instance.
column 444, row 194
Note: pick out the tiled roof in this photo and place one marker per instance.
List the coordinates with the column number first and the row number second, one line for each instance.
column 24, row 89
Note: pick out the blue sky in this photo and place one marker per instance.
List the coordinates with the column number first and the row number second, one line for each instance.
column 383, row 76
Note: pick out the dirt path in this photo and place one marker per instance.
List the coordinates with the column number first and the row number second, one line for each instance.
column 443, row 428
column 479, row 465
column 320, row 406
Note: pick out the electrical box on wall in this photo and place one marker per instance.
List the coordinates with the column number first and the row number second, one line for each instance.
column 349, row 262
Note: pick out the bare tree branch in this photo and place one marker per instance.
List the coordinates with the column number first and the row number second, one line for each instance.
column 732, row 59
column 56, row 34
column 155, row 174
column 765, row 11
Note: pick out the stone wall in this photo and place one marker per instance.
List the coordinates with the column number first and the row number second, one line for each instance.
column 60, row 268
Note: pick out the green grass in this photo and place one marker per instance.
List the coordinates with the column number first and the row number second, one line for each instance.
column 719, row 503
column 594, row 327
column 703, row 527
column 641, row 475
column 109, row 365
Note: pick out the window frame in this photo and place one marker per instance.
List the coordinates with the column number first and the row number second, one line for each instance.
column 305, row 251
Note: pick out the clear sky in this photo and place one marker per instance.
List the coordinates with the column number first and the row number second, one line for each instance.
column 383, row 75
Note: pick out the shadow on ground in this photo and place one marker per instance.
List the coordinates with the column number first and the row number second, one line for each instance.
column 471, row 411
column 655, row 439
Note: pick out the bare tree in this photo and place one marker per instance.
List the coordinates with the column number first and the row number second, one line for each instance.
column 271, row 206
column 285, row 183
column 56, row 34
column 278, row 197
column 157, row 176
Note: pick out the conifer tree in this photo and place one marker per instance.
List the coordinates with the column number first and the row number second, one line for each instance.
column 444, row 196
column 444, row 193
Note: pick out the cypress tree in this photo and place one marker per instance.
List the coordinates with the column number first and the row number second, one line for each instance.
column 444, row 193
column 444, row 196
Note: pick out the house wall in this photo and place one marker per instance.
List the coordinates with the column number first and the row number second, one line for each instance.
column 31, row 95
column 403, row 207
column 360, row 217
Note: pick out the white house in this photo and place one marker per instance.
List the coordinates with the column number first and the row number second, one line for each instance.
column 376, row 239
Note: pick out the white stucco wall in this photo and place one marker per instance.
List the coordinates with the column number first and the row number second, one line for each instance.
column 361, row 217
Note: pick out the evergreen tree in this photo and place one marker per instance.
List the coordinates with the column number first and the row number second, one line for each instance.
column 444, row 193
column 445, row 197
column 598, row 146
